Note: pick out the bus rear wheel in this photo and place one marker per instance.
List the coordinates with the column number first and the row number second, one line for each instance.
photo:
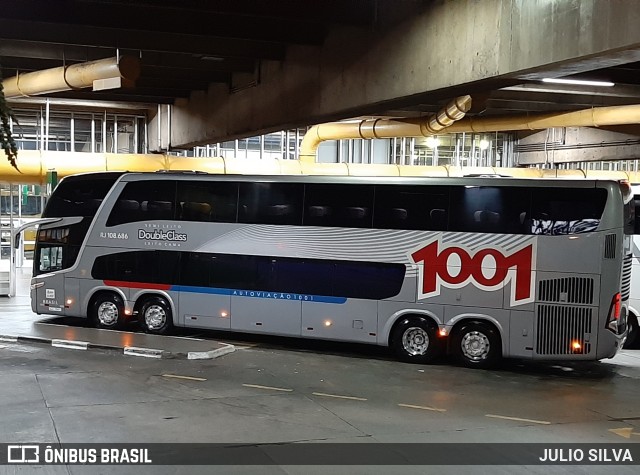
column 414, row 340
column 107, row 311
column 156, row 316
column 476, row 345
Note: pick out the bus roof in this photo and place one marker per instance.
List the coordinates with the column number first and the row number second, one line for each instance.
column 363, row 180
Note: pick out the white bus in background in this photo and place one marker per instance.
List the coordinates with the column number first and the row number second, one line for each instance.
column 480, row 268
column 633, row 340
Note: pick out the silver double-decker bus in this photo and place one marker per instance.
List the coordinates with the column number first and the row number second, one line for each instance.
column 476, row 267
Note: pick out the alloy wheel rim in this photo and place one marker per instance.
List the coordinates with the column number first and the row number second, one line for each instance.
column 475, row 346
column 415, row 341
column 155, row 317
column 107, row 313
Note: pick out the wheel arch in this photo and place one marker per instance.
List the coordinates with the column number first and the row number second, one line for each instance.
column 397, row 317
column 141, row 297
column 96, row 291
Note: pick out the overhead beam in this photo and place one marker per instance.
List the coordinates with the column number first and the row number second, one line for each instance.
column 344, row 12
column 562, row 89
column 180, row 74
column 80, row 35
column 197, row 62
column 119, row 96
column 162, row 19
column 38, row 50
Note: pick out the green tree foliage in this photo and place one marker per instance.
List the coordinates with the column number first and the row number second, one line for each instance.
column 7, row 142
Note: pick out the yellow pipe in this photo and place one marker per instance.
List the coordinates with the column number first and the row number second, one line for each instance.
column 383, row 128
column 388, row 128
column 35, row 164
column 75, row 76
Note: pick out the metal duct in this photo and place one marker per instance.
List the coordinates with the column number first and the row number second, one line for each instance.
column 75, row 76
column 388, row 128
column 383, row 128
column 34, row 165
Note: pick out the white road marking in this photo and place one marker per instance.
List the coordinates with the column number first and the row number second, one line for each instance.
column 177, row 376
column 340, row 397
column 257, row 386
column 495, row 416
column 426, row 408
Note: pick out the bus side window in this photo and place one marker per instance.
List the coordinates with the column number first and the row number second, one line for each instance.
column 490, row 209
column 156, row 199
column 356, row 213
column 190, row 211
column 159, row 210
column 207, row 201
column 338, row 205
column 438, row 219
column 271, row 203
column 561, row 211
column 485, row 217
column 410, row 207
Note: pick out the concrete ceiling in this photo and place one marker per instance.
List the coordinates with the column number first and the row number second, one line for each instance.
column 184, row 45
column 187, row 45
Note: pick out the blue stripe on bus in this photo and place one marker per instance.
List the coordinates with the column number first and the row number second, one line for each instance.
column 260, row 294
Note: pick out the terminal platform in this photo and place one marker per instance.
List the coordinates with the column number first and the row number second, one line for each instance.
column 19, row 323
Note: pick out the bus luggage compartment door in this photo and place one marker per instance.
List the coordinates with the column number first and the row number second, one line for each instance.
column 351, row 320
column 521, row 334
column 266, row 312
column 205, row 310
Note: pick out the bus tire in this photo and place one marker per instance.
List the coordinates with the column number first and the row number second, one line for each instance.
column 156, row 316
column 414, row 340
column 107, row 311
column 633, row 340
column 476, row 345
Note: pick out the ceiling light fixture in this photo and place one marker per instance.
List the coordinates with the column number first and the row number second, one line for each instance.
column 578, row 82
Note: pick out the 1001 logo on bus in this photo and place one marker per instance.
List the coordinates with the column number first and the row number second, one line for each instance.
column 487, row 269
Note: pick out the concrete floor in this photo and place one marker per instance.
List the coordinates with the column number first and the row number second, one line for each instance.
column 280, row 391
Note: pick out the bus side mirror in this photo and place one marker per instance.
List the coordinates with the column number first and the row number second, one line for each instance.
column 16, row 241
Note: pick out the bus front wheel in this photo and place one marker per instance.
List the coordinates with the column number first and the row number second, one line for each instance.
column 107, row 311
column 414, row 340
column 156, row 316
column 476, row 345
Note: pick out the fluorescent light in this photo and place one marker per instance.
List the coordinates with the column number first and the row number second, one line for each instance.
column 578, row 82
column 432, row 142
